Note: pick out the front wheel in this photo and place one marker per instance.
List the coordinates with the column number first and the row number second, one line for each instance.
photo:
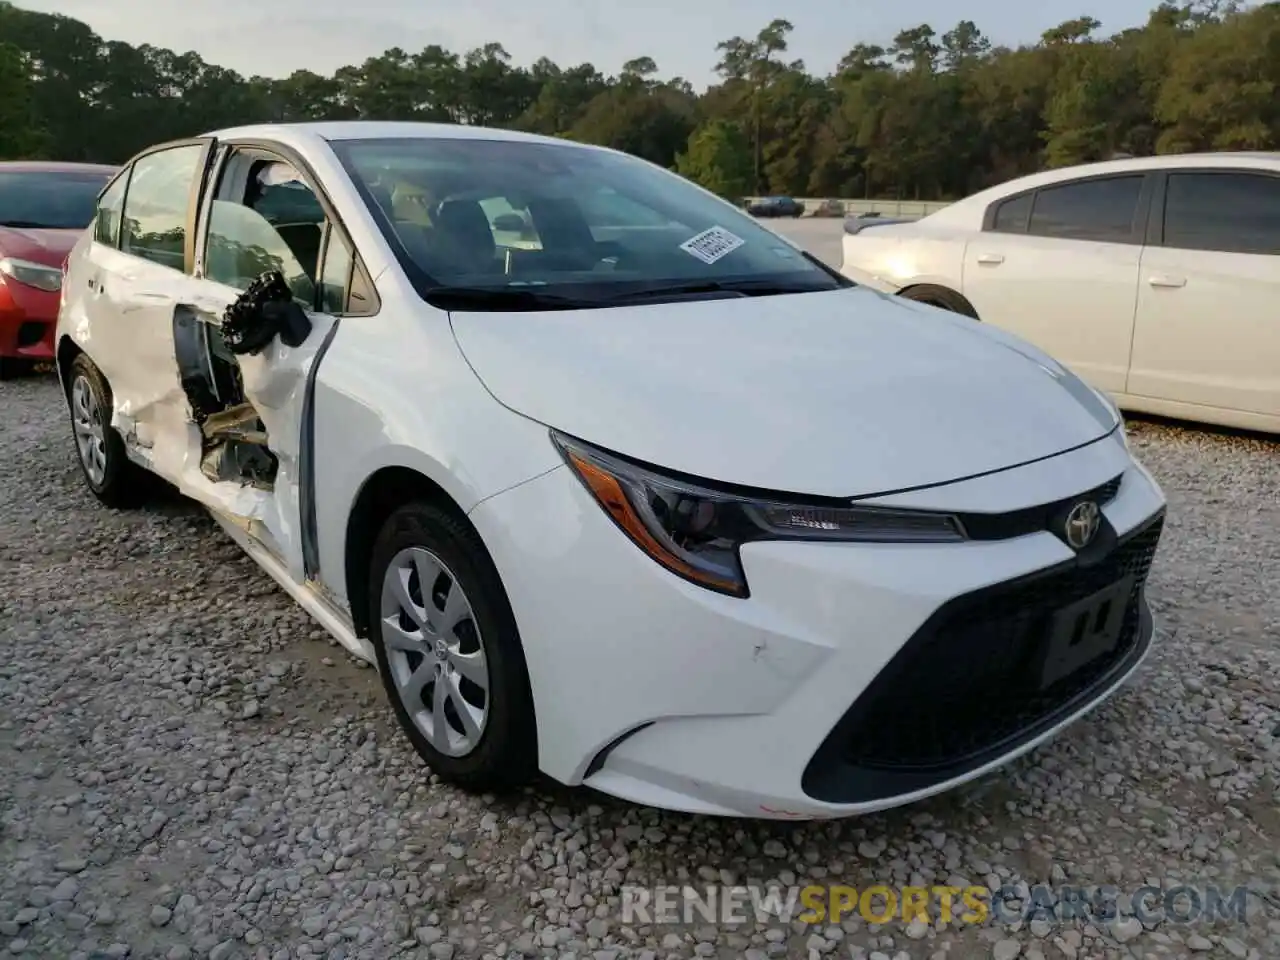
column 449, row 652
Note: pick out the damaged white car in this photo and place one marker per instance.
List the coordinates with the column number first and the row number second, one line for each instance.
column 607, row 479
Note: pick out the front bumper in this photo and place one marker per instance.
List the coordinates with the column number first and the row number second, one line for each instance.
column 856, row 677
column 27, row 320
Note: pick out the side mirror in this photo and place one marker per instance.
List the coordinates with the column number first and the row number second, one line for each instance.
column 263, row 312
column 292, row 323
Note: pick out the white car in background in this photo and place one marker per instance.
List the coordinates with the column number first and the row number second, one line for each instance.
column 1156, row 279
column 654, row 502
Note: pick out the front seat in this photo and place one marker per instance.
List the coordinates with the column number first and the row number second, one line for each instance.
column 304, row 240
column 567, row 240
column 463, row 234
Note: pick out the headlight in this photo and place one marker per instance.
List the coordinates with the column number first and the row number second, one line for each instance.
column 32, row 274
column 695, row 531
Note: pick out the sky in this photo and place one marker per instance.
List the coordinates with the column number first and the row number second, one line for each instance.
column 276, row 37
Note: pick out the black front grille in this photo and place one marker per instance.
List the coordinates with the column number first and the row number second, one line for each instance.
column 965, row 688
column 1019, row 523
column 31, row 332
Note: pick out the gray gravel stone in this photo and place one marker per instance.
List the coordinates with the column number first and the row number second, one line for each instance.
column 132, row 643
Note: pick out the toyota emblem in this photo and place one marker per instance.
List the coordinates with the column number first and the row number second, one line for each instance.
column 1082, row 524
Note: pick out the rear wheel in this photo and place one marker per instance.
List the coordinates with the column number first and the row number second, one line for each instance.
column 109, row 473
column 942, row 298
column 449, row 652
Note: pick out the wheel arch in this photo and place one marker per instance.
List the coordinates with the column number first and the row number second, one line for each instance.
column 383, row 491
column 940, row 295
column 64, row 355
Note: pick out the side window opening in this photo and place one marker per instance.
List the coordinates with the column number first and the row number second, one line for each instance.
column 1012, row 215
column 107, row 217
column 154, row 222
column 262, row 217
column 1100, row 210
column 1223, row 212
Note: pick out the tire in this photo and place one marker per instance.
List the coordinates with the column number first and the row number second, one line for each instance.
column 13, row 367
column 942, row 298
column 498, row 750
column 111, row 476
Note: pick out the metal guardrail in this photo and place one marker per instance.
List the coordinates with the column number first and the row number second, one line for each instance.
column 885, row 208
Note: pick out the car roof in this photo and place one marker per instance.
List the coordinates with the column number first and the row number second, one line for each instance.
column 1169, row 161
column 55, row 166
column 332, row 130
column 968, row 210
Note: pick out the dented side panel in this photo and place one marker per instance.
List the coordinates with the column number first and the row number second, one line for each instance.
column 274, row 382
column 121, row 314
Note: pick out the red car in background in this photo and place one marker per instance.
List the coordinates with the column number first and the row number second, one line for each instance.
column 44, row 207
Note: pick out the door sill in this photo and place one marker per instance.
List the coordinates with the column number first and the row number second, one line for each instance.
column 307, row 595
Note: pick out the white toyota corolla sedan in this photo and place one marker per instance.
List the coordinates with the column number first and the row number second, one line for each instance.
column 609, row 480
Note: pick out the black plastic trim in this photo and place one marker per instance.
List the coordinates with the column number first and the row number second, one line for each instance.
column 597, row 762
column 830, row 778
column 31, row 332
column 307, row 464
column 817, row 500
column 1045, row 516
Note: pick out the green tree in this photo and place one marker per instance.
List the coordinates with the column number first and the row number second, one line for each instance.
column 930, row 116
column 639, row 116
column 751, row 66
column 718, row 158
column 21, row 136
column 1222, row 91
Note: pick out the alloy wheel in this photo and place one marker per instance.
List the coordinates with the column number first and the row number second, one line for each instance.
column 435, row 652
column 91, row 436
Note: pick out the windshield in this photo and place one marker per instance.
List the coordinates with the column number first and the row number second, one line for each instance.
column 565, row 223
column 49, row 199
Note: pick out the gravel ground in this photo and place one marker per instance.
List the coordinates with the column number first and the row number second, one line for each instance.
column 192, row 769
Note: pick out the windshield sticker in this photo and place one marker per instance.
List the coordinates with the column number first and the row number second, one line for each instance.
column 710, row 245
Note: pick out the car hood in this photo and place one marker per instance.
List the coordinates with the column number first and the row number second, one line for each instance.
column 46, row 247
column 841, row 393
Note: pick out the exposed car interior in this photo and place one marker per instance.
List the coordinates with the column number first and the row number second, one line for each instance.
column 483, row 232
column 527, row 214
column 263, row 220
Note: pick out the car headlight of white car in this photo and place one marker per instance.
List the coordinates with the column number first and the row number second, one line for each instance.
column 695, row 531
column 35, row 275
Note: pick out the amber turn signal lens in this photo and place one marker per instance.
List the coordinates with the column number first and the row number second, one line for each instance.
column 608, row 491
